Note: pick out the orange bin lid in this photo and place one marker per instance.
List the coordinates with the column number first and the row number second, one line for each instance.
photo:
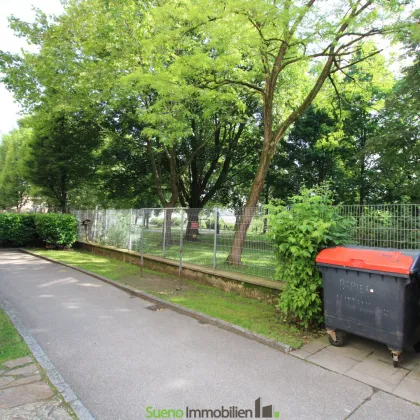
column 392, row 261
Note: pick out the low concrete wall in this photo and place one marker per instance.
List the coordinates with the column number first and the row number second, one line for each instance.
column 229, row 281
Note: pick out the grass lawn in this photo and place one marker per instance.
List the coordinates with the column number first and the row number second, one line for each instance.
column 257, row 256
column 257, row 316
column 12, row 345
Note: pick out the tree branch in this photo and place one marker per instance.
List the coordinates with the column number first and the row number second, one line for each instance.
column 242, row 83
column 355, row 62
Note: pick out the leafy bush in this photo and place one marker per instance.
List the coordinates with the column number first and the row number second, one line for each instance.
column 257, row 225
column 56, row 230
column 117, row 234
column 17, row 229
column 157, row 222
column 227, row 225
column 300, row 231
column 175, row 221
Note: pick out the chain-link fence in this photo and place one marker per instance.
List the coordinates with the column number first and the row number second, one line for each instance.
column 385, row 225
column 205, row 236
column 198, row 236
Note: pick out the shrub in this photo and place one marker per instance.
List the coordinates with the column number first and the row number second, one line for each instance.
column 227, row 225
column 175, row 221
column 117, row 234
column 300, row 231
column 157, row 222
column 56, row 230
column 17, row 229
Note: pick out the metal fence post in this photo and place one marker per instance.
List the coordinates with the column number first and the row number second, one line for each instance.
column 164, row 233
column 142, row 243
column 105, row 236
column 181, row 243
column 216, row 221
column 95, row 225
column 129, row 229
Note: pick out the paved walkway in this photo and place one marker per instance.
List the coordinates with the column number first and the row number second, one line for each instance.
column 24, row 393
column 369, row 362
column 120, row 357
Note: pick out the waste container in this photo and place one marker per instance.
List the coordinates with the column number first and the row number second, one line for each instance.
column 373, row 293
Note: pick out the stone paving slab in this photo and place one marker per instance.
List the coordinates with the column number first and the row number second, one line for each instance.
column 354, row 352
column 381, row 370
column 24, row 381
column 4, row 382
column 316, row 345
column 13, row 397
column 415, row 373
column 331, row 361
column 368, row 362
column 23, row 371
column 409, row 389
column 302, row 354
column 371, row 380
column 18, row 362
column 51, row 410
column 24, row 395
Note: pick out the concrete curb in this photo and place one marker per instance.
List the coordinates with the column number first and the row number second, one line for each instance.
column 53, row 374
column 284, row 348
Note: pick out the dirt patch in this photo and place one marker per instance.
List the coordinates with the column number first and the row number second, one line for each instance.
column 163, row 284
column 156, row 284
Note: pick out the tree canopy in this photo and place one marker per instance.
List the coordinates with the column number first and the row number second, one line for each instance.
column 197, row 102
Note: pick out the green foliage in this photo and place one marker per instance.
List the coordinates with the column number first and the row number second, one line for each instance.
column 175, row 221
column 117, row 234
column 300, row 231
column 12, row 344
column 17, row 229
column 56, row 230
column 388, row 226
column 14, row 185
column 397, row 144
column 61, row 153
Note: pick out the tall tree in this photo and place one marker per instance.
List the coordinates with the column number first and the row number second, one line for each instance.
column 95, row 59
column 14, row 185
column 397, row 144
column 282, row 51
column 61, row 154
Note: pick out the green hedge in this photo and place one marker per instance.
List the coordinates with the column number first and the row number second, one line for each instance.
column 17, row 229
column 54, row 230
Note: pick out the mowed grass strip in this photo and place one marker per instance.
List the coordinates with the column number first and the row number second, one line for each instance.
column 12, row 345
column 254, row 315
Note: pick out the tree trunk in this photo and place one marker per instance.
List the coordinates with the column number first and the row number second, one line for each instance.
column 241, row 228
column 270, row 141
column 63, row 203
column 267, row 190
column 167, row 230
column 192, row 225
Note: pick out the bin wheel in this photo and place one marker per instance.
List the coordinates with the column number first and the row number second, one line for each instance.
column 395, row 357
column 340, row 339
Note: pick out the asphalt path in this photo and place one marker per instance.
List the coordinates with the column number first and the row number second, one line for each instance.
column 119, row 357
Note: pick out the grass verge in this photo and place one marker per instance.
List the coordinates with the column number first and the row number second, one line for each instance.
column 254, row 315
column 12, row 345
